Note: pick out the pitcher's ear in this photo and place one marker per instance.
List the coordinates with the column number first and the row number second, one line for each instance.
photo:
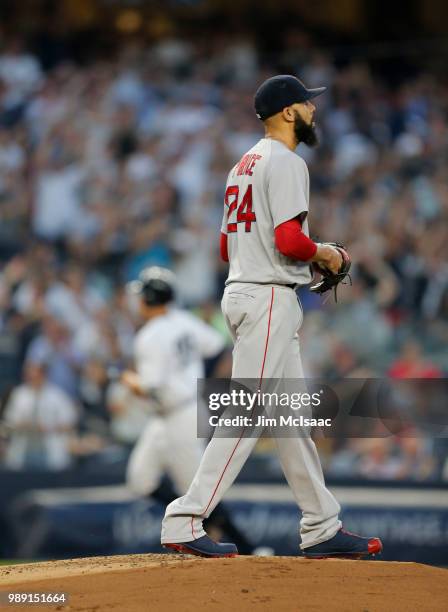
column 288, row 114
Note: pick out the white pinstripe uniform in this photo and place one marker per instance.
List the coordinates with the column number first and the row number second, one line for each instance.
column 269, row 186
column 169, row 357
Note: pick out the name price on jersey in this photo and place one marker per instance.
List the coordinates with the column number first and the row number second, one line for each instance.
column 33, row 598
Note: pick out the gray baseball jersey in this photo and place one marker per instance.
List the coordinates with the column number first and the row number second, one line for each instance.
column 268, row 186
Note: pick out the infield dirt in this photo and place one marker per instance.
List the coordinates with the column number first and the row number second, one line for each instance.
column 143, row 583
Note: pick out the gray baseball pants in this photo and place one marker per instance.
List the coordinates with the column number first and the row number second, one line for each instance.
column 264, row 321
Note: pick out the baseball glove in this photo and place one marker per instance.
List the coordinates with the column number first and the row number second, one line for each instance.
column 329, row 279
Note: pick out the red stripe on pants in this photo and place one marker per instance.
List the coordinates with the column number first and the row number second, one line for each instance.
column 242, row 433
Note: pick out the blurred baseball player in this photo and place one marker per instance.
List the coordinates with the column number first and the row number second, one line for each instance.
column 170, row 350
column 265, row 238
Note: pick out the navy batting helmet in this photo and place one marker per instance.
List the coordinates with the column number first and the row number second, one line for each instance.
column 155, row 285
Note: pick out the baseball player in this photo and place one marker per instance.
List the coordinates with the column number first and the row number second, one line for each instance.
column 265, row 238
column 170, row 350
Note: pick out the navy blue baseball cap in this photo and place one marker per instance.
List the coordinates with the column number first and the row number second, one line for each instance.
column 280, row 91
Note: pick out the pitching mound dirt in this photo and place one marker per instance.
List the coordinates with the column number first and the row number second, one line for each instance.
column 174, row 583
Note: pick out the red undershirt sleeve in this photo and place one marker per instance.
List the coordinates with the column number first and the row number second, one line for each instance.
column 292, row 242
column 289, row 240
column 223, row 247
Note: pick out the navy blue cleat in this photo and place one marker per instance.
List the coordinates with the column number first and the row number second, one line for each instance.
column 344, row 545
column 204, row 547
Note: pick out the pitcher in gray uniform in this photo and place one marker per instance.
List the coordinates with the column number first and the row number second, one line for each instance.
column 264, row 236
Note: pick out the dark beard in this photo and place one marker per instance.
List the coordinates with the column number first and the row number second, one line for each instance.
column 305, row 132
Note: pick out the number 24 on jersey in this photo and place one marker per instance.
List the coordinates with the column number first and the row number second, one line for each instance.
column 244, row 213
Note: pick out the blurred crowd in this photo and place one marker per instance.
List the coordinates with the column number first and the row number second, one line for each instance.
column 119, row 164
